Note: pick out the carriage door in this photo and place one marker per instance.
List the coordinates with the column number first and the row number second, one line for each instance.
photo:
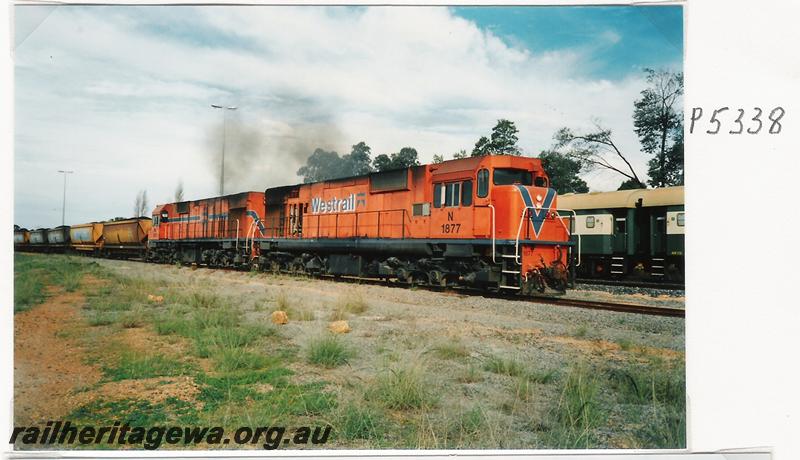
column 620, row 235
column 659, row 233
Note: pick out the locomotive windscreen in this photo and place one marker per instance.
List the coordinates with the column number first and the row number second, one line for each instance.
column 510, row 176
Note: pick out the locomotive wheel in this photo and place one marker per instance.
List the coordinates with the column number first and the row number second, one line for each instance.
column 275, row 267
column 437, row 278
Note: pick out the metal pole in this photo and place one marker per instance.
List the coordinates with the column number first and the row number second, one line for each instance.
column 224, row 137
column 222, row 168
column 64, row 196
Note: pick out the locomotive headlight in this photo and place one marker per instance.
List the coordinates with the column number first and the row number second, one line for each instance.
column 539, row 198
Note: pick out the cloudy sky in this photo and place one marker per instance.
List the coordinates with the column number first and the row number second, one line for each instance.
column 122, row 95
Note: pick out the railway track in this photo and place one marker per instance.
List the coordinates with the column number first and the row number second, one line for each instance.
column 561, row 301
column 613, row 306
column 635, row 284
column 549, row 300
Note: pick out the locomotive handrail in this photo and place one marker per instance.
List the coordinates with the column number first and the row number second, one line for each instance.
column 237, row 234
column 559, row 217
column 573, row 219
column 277, row 224
column 494, row 251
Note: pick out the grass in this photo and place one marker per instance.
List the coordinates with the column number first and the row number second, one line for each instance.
column 580, row 331
column 349, row 302
column 33, row 272
column 282, row 301
column 625, row 344
column 285, row 304
column 504, row 366
column 467, row 427
column 402, row 389
column 242, row 368
column 659, row 393
column 131, row 365
column 328, row 351
column 28, row 292
column 453, row 349
column 578, row 413
column 358, row 421
column 472, row 374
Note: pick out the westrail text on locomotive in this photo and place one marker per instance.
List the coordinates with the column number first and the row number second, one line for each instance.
column 331, row 205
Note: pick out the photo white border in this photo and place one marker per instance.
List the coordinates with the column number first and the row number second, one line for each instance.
column 742, row 328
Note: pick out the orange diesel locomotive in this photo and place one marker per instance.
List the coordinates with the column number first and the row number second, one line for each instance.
column 488, row 222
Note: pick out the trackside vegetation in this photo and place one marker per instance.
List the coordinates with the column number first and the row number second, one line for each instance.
column 172, row 351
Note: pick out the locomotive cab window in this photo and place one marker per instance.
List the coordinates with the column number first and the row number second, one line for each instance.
column 452, row 194
column 483, row 183
column 466, row 193
column 511, row 176
column 540, row 181
column 447, row 195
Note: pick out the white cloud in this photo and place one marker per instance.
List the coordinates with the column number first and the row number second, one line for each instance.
column 101, row 92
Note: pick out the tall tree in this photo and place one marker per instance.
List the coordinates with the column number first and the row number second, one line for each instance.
column 358, row 161
column 595, row 150
column 563, row 172
column 179, row 191
column 657, row 120
column 503, row 140
column 321, row 165
column 438, row 158
column 324, row 165
column 406, row 157
column 140, row 204
column 461, row 154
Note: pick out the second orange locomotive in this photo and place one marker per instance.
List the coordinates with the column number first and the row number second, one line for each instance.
column 490, row 222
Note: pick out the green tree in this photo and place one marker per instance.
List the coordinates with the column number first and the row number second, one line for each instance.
column 438, row 158
column 657, row 120
column 631, row 184
column 594, row 150
column 461, row 154
column 322, row 165
column 563, row 172
column 482, row 147
column 504, row 138
column 358, row 161
column 406, row 157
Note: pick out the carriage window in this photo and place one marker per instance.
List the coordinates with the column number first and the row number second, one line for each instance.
column 510, row 176
column 466, row 193
column 621, row 225
column 483, row 183
column 438, row 191
column 590, row 222
column 681, row 219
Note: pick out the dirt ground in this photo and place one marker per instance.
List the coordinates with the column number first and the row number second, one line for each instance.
column 49, row 367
